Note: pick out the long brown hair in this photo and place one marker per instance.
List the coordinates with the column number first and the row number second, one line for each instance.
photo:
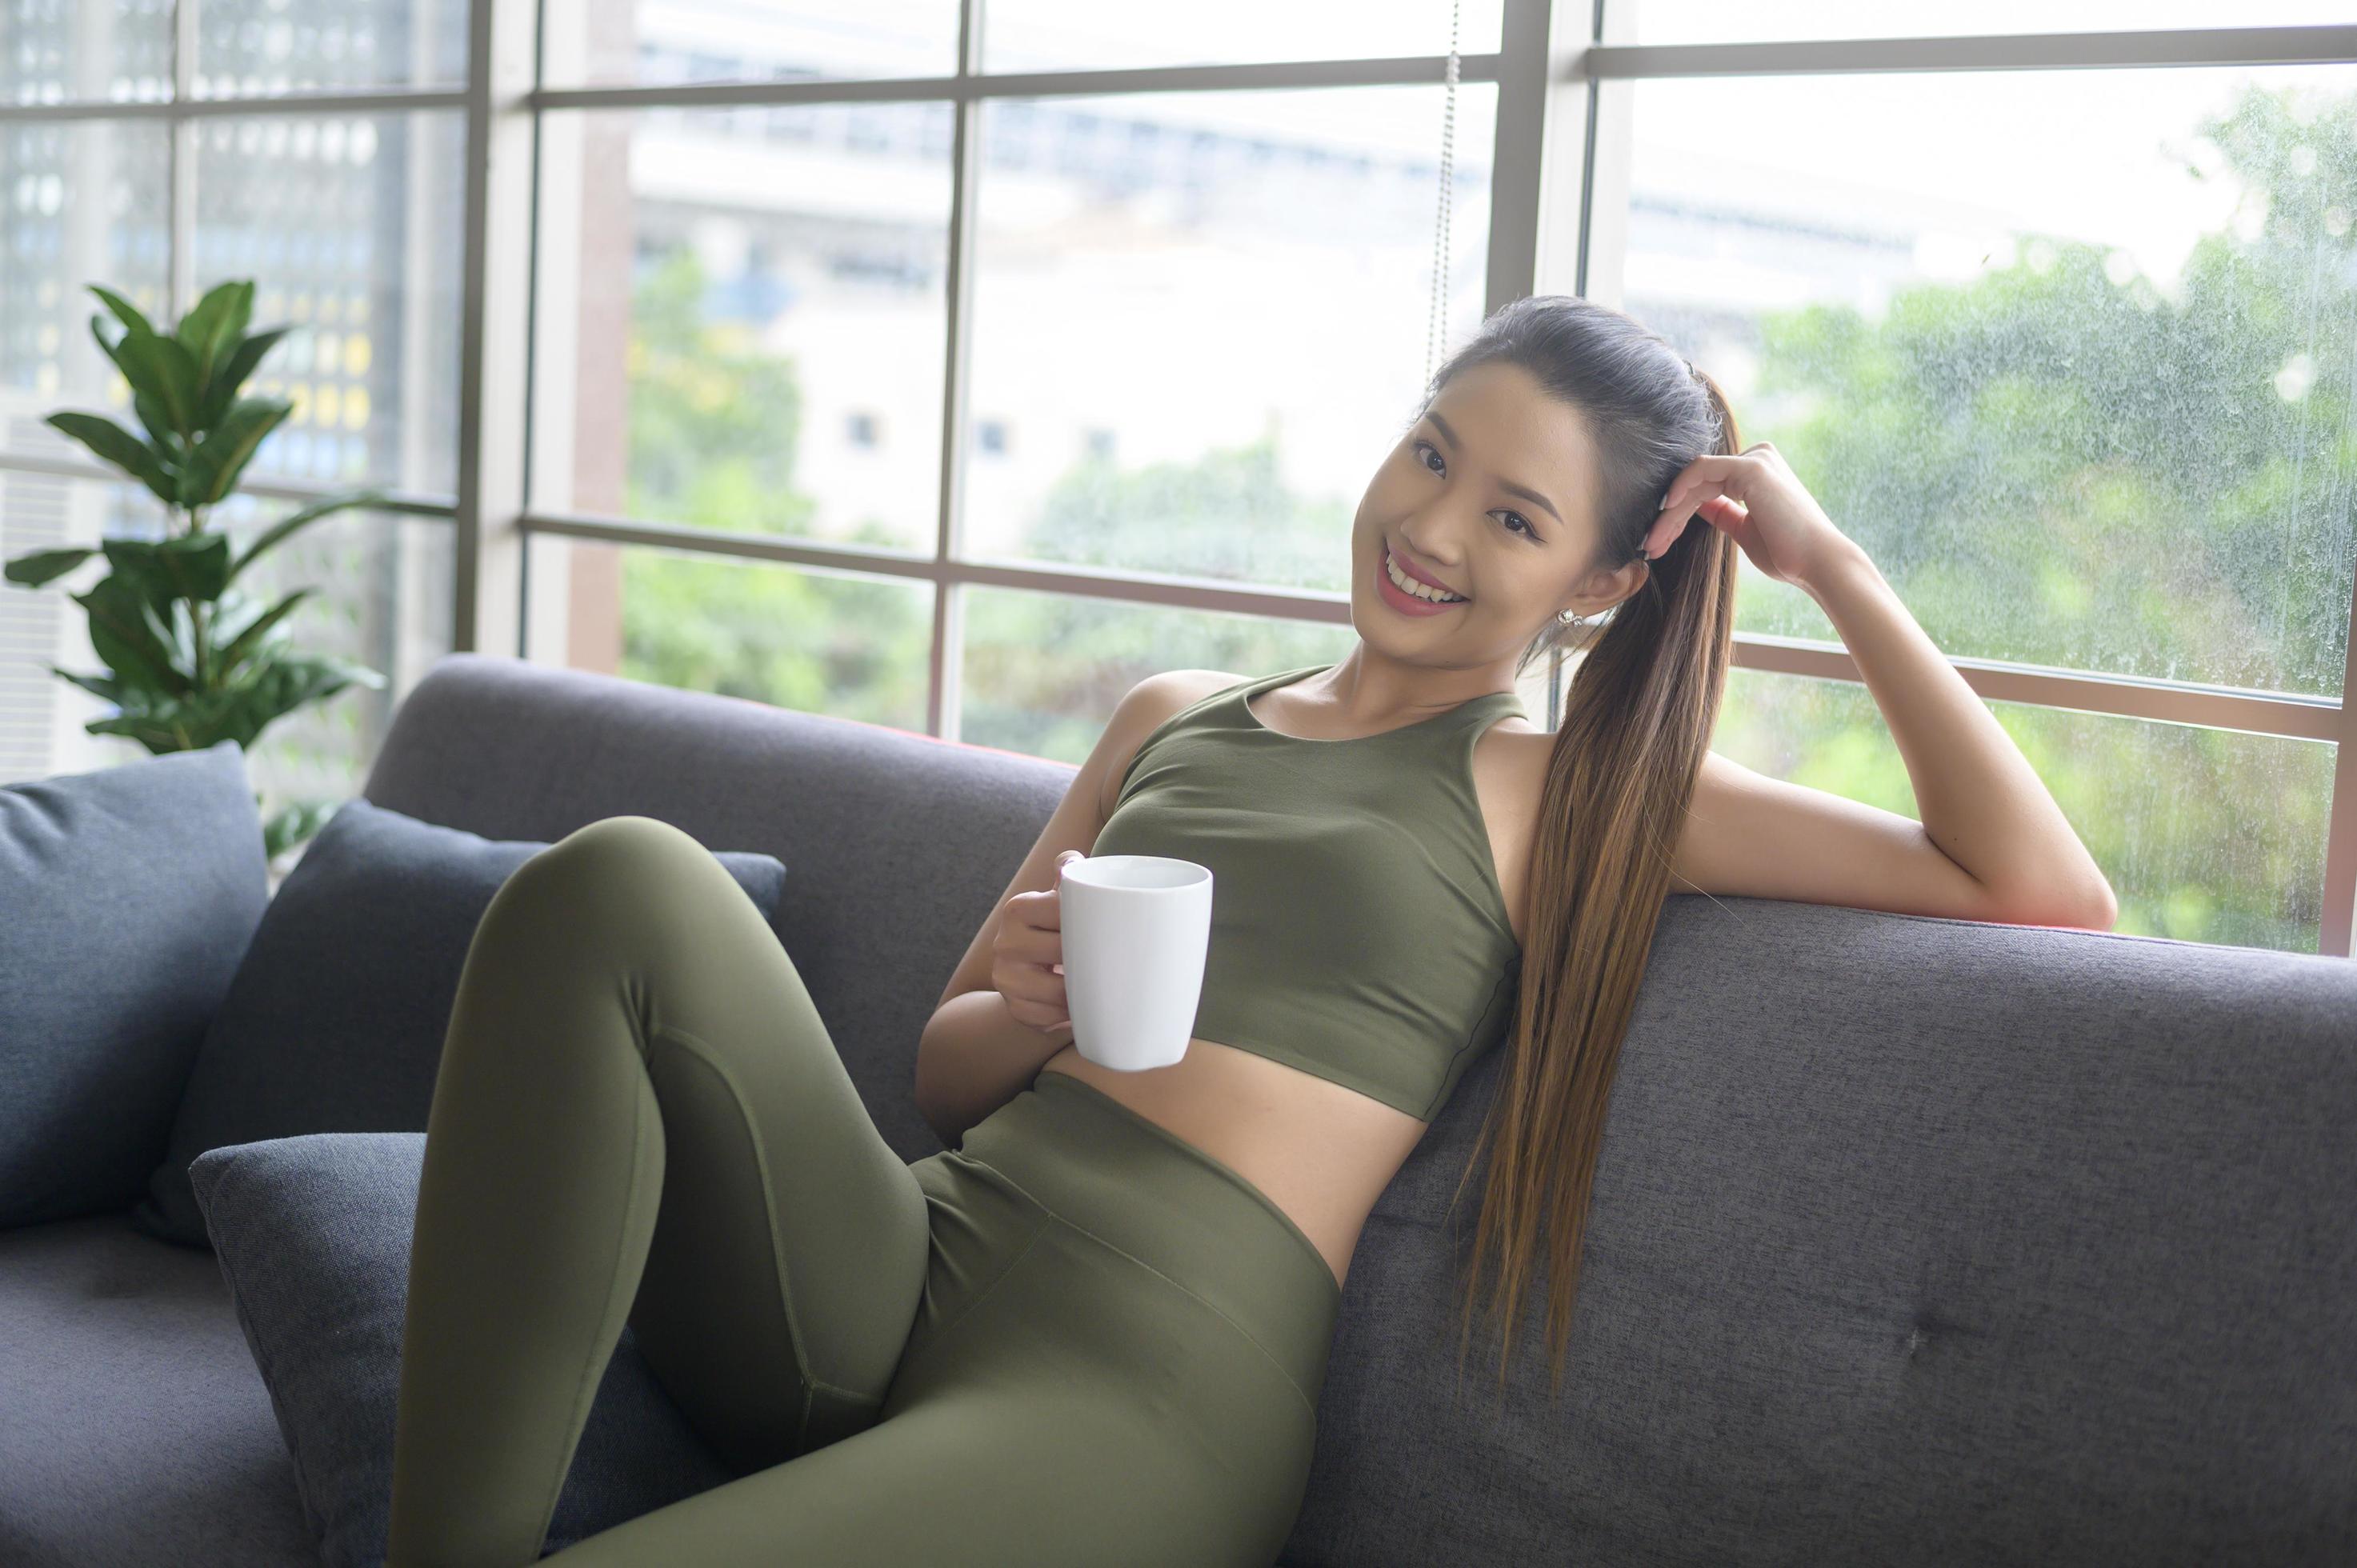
column 1637, row 720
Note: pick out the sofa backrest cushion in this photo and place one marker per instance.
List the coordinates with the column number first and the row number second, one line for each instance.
column 335, row 1019
column 1913, row 1241
column 127, row 897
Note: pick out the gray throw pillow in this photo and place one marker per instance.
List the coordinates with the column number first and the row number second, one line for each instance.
column 335, row 1020
column 127, row 897
column 313, row 1235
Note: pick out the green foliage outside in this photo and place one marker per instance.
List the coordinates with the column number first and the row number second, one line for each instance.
column 715, row 422
column 2058, row 462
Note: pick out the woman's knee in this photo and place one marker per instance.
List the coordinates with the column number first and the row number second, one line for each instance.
column 634, row 856
column 629, row 837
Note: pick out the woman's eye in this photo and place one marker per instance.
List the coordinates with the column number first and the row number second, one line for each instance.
column 1424, row 447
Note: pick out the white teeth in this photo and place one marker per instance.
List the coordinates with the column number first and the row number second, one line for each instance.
column 1408, row 584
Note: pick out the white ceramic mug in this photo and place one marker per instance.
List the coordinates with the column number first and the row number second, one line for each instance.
column 1135, row 928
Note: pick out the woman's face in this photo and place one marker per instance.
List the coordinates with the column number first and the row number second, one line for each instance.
column 1489, row 494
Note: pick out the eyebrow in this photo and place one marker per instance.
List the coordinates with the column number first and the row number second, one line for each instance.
column 1522, row 490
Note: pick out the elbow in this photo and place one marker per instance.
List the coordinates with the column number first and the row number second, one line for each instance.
column 946, row 1134
column 2100, row 910
column 2097, row 912
column 2093, row 909
column 924, row 1093
column 920, row 1098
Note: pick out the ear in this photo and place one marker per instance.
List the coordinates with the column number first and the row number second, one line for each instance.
column 1603, row 589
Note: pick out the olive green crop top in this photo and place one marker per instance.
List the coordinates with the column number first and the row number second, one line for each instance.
column 1358, row 931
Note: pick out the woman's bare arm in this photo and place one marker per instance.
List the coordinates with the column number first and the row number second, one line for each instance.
column 974, row 1055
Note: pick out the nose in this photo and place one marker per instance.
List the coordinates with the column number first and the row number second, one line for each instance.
column 1421, row 562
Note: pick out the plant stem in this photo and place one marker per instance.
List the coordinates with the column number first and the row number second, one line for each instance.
column 197, row 614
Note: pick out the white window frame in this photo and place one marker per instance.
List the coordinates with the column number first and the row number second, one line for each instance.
column 1558, row 210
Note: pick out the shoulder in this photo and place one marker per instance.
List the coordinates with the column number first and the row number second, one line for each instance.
column 1145, row 708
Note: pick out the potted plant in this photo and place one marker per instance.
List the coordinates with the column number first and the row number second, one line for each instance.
column 191, row 660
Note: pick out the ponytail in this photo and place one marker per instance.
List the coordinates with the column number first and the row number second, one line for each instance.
column 1638, row 718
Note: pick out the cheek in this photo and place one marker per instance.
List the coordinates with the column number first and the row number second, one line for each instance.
column 1394, row 481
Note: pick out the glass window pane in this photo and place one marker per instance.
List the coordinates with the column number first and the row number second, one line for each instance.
column 747, row 333
column 1044, row 670
column 258, row 47
column 382, row 599
column 1073, row 35
column 80, row 202
column 825, row 642
column 663, row 42
column 54, row 51
column 2206, row 835
column 348, row 225
column 1201, row 319
column 1748, row 21
column 2070, row 353
column 41, row 716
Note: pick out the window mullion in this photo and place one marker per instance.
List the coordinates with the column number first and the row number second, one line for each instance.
column 2337, row 926
column 180, row 166
column 495, row 284
column 945, row 690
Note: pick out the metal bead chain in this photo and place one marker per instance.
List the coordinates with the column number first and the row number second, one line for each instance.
column 1448, row 181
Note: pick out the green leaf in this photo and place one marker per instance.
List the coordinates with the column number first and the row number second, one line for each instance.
column 45, row 565
column 232, row 613
column 158, row 422
column 105, row 686
column 178, row 637
column 295, row 823
column 120, row 447
column 164, row 371
column 120, row 635
column 106, row 344
column 191, row 566
column 213, row 327
column 125, row 311
column 151, row 412
column 286, row 525
column 248, row 638
column 266, row 690
column 213, row 467
column 240, row 364
column 161, row 723
column 197, row 565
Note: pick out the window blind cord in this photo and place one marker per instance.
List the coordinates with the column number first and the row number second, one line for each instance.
column 1448, row 180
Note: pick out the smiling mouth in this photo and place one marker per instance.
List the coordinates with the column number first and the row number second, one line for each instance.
column 1416, row 587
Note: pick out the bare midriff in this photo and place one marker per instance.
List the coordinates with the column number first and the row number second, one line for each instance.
column 1320, row 1152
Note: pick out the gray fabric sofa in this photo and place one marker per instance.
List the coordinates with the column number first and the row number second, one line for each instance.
column 1914, row 1240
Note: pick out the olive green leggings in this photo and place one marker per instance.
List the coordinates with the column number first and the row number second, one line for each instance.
column 1077, row 1340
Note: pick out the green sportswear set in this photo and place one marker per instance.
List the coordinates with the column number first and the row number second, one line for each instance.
column 1076, row 1339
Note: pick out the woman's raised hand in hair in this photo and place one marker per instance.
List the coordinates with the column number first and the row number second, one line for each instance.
column 1755, row 497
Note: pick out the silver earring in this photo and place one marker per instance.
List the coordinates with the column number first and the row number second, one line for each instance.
column 1567, row 619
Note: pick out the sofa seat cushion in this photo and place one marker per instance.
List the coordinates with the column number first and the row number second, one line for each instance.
column 134, row 1432
column 313, row 1235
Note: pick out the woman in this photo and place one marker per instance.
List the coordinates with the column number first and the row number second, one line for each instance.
column 1095, row 1330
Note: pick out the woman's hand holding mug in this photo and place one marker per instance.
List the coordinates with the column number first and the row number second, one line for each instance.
column 1027, row 964
column 1133, row 935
